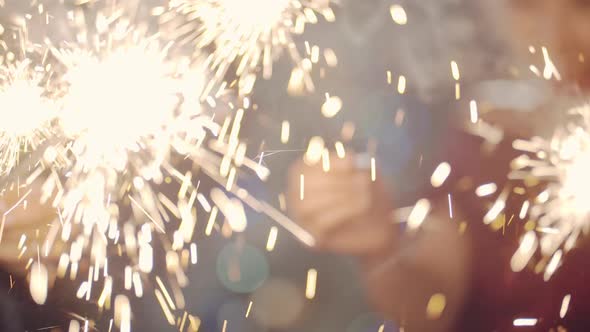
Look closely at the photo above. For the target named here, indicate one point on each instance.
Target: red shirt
(497, 295)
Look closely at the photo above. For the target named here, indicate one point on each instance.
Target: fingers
(343, 208)
(338, 214)
(323, 192)
(22, 210)
(362, 238)
(337, 166)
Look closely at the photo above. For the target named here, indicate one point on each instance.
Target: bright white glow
(112, 104)
(525, 322)
(26, 112)
(561, 209)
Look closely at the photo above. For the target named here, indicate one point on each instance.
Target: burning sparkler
(125, 109)
(561, 210)
(28, 111)
(248, 34)
(121, 110)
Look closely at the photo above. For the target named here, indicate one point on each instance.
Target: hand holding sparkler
(343, 208)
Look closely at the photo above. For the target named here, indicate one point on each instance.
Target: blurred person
(350, 214)
(367, 44)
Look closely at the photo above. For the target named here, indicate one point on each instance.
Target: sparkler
(249, 34)
(561, 209)
(125, 109)
(119, 110)
(28, 111)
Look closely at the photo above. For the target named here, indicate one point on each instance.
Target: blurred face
(563, 26)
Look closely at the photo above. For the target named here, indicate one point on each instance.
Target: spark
(250, 34)
(315, 149)
(272, 239)
(301, 187)
(39, 283)
(473, 113)
(565, 303)
(560, 165)
(486, 189)
(331, 58)
(166, 294)
(398, 14)
(331, 106)
(123, 313)
(18, 203)
(326, 160)
(436, 305)
(450, 201)
(440, 174)
(340, 151)
(524, 209)
(248, 310)
(194, 256)
(401, 85)
(532, 49)
(455, 71)
(525, 322)
(554, 263)
(285, 132)
(373, 170)
(155, 223)
(525, 251)
(418, 214)
(74, 326)
(310, 288)
(211, 222)
(549, 70)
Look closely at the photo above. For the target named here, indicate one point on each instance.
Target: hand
(24, 214)
(343, 209)
(23, 208)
